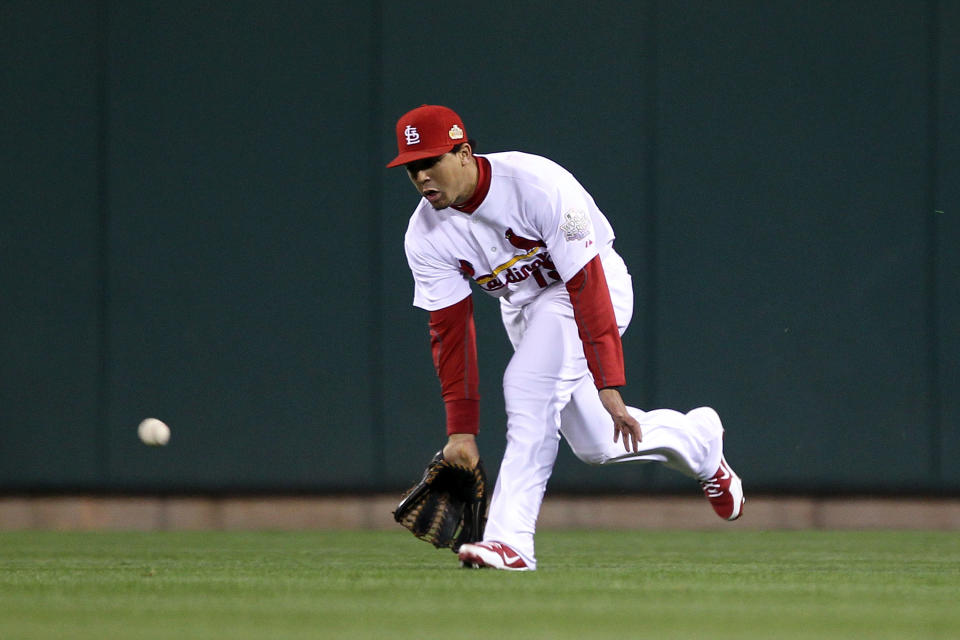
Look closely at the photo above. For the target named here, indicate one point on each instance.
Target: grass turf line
(591, 584)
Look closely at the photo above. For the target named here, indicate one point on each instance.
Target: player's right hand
(624, 424)
(461, 449)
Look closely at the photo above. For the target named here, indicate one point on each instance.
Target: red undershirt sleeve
(597, 325)
(453, 341)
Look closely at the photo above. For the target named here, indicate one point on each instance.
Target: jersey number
(541, 281)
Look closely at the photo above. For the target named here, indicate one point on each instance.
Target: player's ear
(464, 153)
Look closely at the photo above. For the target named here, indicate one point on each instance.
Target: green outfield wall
(196, 224)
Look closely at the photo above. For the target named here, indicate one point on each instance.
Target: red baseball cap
(426, 132)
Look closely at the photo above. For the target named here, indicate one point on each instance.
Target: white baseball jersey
(537, 226)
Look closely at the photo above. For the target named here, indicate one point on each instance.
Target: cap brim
(419, 154)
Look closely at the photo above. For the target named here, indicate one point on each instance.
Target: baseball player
(526, 232)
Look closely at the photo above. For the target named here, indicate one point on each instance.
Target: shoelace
(712, 488)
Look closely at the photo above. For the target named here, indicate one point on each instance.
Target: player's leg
(544, 371)
(536, 385)
(690, 443)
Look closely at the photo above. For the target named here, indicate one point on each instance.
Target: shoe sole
(470, 560)
(736, 488)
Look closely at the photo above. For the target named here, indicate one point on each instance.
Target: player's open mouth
(432, 195)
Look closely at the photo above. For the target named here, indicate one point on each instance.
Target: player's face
(442, 180)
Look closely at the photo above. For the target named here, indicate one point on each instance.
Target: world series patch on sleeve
(448, 507)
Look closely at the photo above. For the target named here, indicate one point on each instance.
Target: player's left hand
(624, 424)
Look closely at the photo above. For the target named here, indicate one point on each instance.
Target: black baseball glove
(448, 507)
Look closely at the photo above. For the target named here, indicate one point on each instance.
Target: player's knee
(595, 458)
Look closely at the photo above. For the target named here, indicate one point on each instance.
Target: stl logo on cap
(428, 131)
(413, 136)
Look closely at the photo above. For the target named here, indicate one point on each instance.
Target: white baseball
(154, 432)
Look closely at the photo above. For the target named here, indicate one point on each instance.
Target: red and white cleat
(725, 492)
(495, 555)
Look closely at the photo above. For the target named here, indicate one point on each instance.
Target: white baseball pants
(549, 392)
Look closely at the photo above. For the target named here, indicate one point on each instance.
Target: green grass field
(598, 584)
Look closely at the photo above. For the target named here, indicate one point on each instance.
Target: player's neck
(479, 183)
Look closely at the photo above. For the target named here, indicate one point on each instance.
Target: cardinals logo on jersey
(532, 263)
